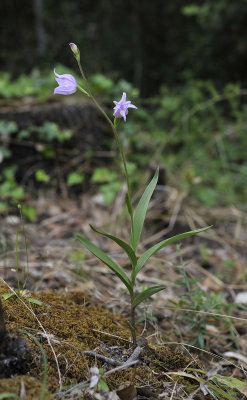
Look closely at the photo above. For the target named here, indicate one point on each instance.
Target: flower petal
(123, 99)
(121, 107)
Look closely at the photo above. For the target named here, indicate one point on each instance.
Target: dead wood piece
(102, 358)
(132, 359)
(65, 115)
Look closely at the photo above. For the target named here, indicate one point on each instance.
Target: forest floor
(188, 347)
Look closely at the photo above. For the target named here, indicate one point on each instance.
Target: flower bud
(75, 50)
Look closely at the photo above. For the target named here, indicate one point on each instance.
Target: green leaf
(219, 391)
(232, 383)
(16, 194)
(35, 301)
(7, 296)
(125, 246)
(3, 206)
(102, 385)
(8, 127)
(41, 176)
(145, 256)
(109, 191)
(141, 210)
(145, 294)
(29, 212)
(74, 178)
(191, 9)
(102, 174)
(7, 395)
(107, 261)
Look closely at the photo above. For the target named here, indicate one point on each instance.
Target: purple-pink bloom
(121, 107)
(67, 84)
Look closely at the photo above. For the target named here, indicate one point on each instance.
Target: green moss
(70, 321)
(31, 386)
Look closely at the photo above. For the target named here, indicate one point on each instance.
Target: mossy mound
(67, 325)
(23, 385)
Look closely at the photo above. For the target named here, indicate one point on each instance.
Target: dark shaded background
(146, 42)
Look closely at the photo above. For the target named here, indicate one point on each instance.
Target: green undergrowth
(197, 133)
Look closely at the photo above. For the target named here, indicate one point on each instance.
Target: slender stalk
(132, 311)
(113, 127)
(129, 203)
(17, 261)
(26, 268)
(133, 323)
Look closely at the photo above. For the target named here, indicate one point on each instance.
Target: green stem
(17, 261)
(26, 268)
(133, 322)
(113, 127)
(129, 203)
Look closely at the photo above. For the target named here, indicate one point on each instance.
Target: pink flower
(121, 107)
(67, 84)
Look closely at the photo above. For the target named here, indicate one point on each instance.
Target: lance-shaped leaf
(107, 261)
(141, 210)
(125, 246)
(145, 294)
(145, 256)
(205, 383)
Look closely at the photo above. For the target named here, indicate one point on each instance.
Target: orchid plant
(67, 85)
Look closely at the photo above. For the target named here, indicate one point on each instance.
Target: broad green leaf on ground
(35, 301)
(107, 261)
(145, 256)
(125, 246)
(6, 296)
(141, 210)
(145, 294)
(220, 392)
(232, 383)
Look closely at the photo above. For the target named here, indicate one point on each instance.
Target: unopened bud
(75, 50)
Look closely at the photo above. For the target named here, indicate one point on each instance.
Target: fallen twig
(134, 357)
(102, 358)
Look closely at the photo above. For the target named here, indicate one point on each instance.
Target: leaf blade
(145, 294)
(141, 210)
(152, 250)
(107, 261)
(125, 246)
(7, 296)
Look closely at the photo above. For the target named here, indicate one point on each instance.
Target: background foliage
(183, 63)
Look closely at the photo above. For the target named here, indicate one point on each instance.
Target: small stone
(241, 298)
